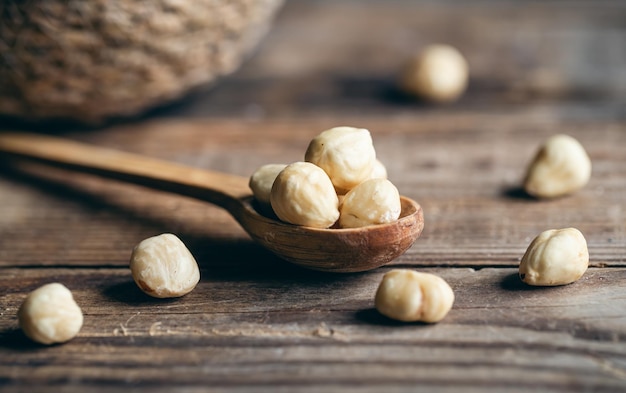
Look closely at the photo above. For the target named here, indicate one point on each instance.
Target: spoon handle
(218, 188)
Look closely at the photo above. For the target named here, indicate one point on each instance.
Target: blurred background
(319, 57)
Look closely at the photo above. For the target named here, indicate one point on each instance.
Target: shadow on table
(128, 292)
(371, 316)
(518, 193)
(512, 282)
(14, 338)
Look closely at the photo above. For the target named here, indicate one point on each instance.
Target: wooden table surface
(257, 324)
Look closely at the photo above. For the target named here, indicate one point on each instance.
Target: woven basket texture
(89, 60)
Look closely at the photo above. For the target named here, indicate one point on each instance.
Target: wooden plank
(288, 327)
(258, 324)
(464, 169)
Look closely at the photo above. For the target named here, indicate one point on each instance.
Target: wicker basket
(89, 60)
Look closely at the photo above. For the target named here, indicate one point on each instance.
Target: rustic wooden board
(258, 324)
(465, 170)
(270, 328)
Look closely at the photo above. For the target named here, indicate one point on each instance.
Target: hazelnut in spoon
(332, 250)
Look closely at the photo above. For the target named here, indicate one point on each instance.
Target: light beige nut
(379, 171)
(163, 267)
(347, 155)
(375, 201)
(262, 180)
(439, 73)
(555, 257)
(409, 296)
(303, 194)
(560, 167)
(49, 315)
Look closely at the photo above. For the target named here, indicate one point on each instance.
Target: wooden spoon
(333, 250)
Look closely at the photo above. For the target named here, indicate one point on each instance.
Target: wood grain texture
(465, 170)
(289, 328)
(341, 250)
(258, 324)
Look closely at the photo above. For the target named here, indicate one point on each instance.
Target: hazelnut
(560, 167)
(379, 171)
(555, 257)
(438, 74)
(50, 315)
(303, 194)
(375, 201)
(163, 267)
(262, 180)
(346, 154)
(409, 296)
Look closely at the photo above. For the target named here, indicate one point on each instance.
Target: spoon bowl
(330, 250)
(335, 250)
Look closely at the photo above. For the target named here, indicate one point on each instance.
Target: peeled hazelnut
(262, 179)
(346, 154)
(378, 171)
(555, 257)
(50, 315)
(560, 167)
(409, 296)
(163, 267)
(439, 74)
(375, 201)
(303, 194)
